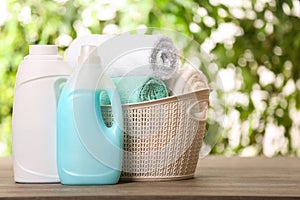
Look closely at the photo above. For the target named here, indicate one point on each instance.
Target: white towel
(188, 79)
(148, 55)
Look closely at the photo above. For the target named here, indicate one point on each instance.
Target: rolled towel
(139, 55)
(164, 59)
(187, 80)
(133, 89)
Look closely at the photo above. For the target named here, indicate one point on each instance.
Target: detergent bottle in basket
(88, 152)
(39, 79)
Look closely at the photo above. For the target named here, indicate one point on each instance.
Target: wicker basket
(162, 138)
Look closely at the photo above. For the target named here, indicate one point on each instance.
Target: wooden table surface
(215, 178)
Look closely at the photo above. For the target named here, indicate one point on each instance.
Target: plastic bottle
(39, 78)
(88, 152)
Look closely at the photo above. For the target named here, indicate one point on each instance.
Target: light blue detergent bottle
(88, 152)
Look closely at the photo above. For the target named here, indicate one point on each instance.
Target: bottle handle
(115, 131)
(198, 110)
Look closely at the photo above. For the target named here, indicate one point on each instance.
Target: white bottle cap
(88, 54)
(43, 50)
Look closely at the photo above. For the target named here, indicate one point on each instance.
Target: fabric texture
(134, 89)
(187, 80)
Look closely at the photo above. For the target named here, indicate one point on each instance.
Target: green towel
(133, 89)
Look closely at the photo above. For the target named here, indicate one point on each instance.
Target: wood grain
(216, 178)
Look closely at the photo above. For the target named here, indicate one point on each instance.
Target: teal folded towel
(133, 89)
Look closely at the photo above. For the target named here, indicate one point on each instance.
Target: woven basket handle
(198, 110)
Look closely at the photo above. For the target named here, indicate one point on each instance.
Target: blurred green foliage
(256, 46)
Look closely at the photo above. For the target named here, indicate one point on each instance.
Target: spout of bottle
(88, 55)
(90, 60)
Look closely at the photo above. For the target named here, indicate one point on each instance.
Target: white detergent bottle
(39, 79)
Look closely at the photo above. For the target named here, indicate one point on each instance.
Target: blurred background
(255, 45)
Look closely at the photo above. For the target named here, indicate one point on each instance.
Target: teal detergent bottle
(88, 152)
